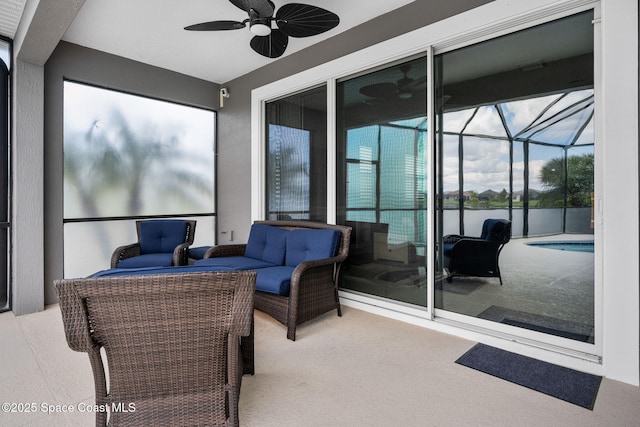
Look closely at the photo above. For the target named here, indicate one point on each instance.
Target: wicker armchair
(171, 343)
(161, 243)
(477, 256)
(314, 284)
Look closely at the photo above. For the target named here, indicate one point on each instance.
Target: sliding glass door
(381, 144)
(478, 213)
(515, 149)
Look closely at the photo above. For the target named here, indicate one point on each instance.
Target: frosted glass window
(127, 155)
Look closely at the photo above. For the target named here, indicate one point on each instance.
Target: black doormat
(536, 322)
(397, 275)
(563, 383)
(460, 285)
(546, 330)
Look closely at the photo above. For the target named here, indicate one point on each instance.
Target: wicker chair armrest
(225, 250)
(307, 265)
(243, 319)
(181, 254)
(454, 238)
(76, 327)
(123, 252)
(306, 269)
(475, 244)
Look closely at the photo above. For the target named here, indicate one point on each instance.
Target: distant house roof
(487, 194)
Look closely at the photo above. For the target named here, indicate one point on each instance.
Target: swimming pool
(573, 246)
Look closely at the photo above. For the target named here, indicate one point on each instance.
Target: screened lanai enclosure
(510, 139)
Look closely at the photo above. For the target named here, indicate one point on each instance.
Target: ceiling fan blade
(303, 20)
(417, 84)
(264, 8)
(380, 90)
(216, 26)
(271, 46)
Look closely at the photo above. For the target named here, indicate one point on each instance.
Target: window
(296, 156)
(128, 157)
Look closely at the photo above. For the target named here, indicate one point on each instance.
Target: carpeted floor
(366, 370)
(357, 370)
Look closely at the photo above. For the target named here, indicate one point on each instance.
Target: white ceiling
(151, 31)
(10, 13)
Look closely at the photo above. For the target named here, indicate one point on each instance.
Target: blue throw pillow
(309, 245)
(267, 243)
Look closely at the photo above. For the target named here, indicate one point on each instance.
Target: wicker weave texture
(171, 343)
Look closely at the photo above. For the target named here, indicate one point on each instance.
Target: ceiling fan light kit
(292, 20)
(402, 89)
(260, 29)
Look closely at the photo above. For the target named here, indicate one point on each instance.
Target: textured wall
(27, 202)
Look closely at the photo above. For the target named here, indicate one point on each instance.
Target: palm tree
(576, 184)
(105, 161)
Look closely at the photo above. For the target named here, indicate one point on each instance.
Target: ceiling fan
(292, 20)
(404, 88)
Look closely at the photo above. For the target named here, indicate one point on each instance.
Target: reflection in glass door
(515, 179)
(296, 156)
(381, 180)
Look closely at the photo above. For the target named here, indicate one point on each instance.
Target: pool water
(578, 246)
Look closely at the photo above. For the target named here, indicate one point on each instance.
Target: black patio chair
(477, 256)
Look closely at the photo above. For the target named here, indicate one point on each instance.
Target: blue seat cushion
(267, 243)
(157, 270)
(162, 236)
(147, 260)
(274, 280)
(309, 245)
(234, 263)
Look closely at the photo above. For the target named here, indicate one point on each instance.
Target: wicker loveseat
(298, 263)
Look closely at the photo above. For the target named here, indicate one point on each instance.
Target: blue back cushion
(267, 243)
(308, 245)
(496, 230)
(162, 236)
